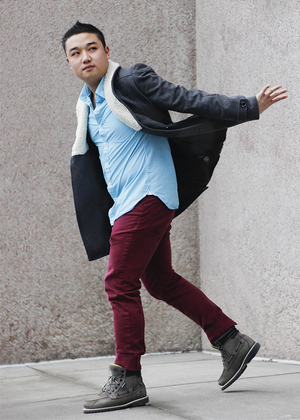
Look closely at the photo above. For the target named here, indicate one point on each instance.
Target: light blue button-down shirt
(134, 164)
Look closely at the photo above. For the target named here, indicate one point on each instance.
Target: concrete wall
(52, 300)
(249, 219)
(53, 303)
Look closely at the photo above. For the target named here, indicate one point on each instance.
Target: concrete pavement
(180, 386)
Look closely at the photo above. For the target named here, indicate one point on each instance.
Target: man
(133, 171)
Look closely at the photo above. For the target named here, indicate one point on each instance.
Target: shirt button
(243, 104)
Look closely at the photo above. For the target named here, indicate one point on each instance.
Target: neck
(93, 86)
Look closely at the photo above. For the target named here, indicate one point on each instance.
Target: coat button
(243, 104)
(206, 159)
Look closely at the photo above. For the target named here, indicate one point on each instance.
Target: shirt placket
(99, 112)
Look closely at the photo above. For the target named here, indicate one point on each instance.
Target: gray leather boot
(236, 353)
(120, 391)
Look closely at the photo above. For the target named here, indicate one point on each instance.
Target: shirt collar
(85, 94)
(100, 89)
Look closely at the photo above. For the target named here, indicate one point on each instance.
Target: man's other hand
(269, 96)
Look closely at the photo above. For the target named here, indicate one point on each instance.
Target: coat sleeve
(168, 96)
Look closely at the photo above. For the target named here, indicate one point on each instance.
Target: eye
(74, 53)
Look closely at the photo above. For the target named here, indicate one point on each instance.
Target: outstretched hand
(269, 96)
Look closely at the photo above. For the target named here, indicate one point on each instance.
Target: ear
(106, 49)
(68, 62)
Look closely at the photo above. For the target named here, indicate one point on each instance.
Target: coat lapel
(117, 108)
(80, 146)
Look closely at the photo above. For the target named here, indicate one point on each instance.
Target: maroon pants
(140, 250)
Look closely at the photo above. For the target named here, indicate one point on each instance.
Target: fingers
(265, 89)
(279, 98)
(274, 91)
(277, 95)
(270, 95)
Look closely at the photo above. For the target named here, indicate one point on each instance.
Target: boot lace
(113, 384)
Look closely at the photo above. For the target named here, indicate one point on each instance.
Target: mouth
(88, 67)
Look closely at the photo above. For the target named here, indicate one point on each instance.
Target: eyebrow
(88, 44)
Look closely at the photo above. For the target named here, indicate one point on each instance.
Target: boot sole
(135, 403)
(249, 356)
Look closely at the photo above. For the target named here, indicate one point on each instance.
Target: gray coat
(142, 100)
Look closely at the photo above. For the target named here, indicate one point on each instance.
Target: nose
(85, 56)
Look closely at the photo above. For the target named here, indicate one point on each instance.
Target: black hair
(79, 28)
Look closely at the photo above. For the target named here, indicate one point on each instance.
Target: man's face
(87, 58)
